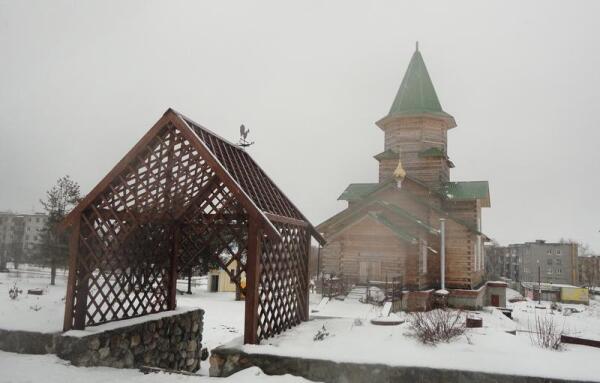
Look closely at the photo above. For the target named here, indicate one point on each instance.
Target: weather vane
(244, 143)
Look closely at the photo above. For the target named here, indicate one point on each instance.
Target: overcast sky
(82, 81)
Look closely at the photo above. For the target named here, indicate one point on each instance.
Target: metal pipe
(539, 283)
(443, 252)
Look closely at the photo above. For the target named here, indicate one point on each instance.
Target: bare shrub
(436, 326)
(14, 292)
(321, 334)
(545, 333)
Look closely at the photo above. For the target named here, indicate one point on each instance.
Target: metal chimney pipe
(443, 252)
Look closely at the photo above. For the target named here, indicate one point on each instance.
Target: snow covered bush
(545, 333)
(436, 326)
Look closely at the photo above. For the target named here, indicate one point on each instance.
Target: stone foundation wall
(416, 300)
(225, 362)
(496, 288)
(172, 342)
(27, 342)
(467, 299)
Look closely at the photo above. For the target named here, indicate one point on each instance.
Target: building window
(558, 271)
(558, 261)
(549, 261)
(557, 251)
(549, 270)
(549, 252)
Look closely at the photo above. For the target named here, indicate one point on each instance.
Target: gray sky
(81, 82)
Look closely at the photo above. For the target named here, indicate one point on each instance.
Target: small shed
(219, 280)
(556, 292)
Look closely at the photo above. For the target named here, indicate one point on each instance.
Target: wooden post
(82, 278)
(173, 267)
(255, 238)
(306, 292)
(73, 255)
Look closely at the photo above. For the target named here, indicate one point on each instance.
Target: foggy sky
(81, 82)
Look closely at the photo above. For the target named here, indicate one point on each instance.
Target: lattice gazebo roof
(180, 196)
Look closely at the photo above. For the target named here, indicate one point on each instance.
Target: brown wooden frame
(180, 196)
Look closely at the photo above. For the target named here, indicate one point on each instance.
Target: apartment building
(555, 263)
(20, 234)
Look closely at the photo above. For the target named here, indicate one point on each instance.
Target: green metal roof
(432, 152)
(464, 191)
(403, 213)
(387, 155)
(416, 94)
(401, 233)
(355, 192)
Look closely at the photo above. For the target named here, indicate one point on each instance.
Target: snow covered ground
(18, 368)
(352, 337)
(40, 313)
(490, 349)
(580, 320)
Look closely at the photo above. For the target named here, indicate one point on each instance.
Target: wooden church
(392, 228)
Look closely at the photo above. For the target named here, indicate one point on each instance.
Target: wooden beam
(306, 291)
(252, 281)
(282, 219)
(223, 174)
(73, 255)
(173, 267)
(119, 167)
(81, 296)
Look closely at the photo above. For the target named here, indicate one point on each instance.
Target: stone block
(135, 340)
(104, 352)
(94, 343)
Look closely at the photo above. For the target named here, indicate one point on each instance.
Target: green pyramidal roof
(416, 94)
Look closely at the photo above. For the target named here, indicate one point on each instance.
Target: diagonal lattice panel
(127, 232)
(283, 281)
(185, 199)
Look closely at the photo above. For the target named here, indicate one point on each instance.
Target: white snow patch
(23, 368)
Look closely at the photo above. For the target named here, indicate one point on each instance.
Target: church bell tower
(416, 129)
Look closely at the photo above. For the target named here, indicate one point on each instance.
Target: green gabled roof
(416, 94)
(465, 191)
(345, 214)
(387, 155)
(432, 152)
(355, 192)
(403, 213)
(401, 233)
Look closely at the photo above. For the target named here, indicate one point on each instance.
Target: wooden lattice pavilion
(182, 196)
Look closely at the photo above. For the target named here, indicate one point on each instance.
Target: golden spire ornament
(399, 174)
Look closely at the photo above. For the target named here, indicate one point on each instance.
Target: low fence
(581, 341)
(333, 287)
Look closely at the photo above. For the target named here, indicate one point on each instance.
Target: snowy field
(351, 337)
(40, 313)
